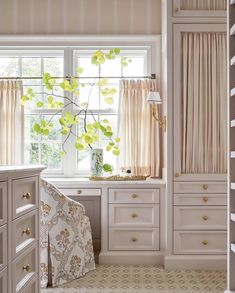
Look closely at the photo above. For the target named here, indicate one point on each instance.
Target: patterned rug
(145, 279)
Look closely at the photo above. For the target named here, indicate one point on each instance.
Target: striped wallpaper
(80, 16)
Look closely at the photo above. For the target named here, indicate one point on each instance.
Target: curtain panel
(141, 137)
(11, 122)
(204, 102)
(203, 4)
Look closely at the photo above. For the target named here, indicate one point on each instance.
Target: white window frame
(151, 43)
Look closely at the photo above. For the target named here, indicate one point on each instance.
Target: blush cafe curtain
(140, 134)
(204, 102)
(11, 122)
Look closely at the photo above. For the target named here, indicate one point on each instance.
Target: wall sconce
(154, 98)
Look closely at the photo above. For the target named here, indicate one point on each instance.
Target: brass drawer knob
(26, 231)
(205, 199)
(26, 268)
(134, 195)
(134, 215)
(27, 195)
(205, 218)
(133, 239)
(176, 10)
(79, 191)
(205, 186)
(204, 242)
(177, 174)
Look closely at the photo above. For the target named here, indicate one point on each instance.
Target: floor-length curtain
(140, 133)
(204, 102)
(203, 4)
(11, 122)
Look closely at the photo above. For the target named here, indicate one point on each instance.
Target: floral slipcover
(66, 250)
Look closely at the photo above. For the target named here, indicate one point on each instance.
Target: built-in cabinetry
(132, 218)
(19, 230)
(196, 188)
(231, 147)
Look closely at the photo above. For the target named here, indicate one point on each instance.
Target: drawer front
(200, 242)
(134, 195)
(32, 286)
(134, 215)
(3, 203)
(24, 232)
(81, 191)
(219, 199)
(200, 187)
(25, 195)
(134, 239)
(200, 218)
(3, 281)
(3, 247)
(24, 268)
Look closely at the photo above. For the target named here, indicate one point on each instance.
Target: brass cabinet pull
(205, 199)
(27, 195)
(79, 191)
(205, 218)
(176, 10)
(134, 215)
(134, 195)
(26, 268)
(205, 186)
(26, 231)
(177, 174)
(133, 239)
(204, 242)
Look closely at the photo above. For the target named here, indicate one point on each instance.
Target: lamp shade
(153, 97)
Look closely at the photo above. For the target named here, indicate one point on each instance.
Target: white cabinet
(19, 235)
(199, 8)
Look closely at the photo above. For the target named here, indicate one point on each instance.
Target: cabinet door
(179, 94)
(201, 8)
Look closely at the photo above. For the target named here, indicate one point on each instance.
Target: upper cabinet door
(199, 8)
(199, 98)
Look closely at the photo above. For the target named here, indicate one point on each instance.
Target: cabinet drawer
(134, 239)
(134, 195)
(25, 195)
(81, 191)
(24, 268)
(3, 203)
(200, 218)
(31, 287)
(134, 215)
(3, 281)
(24, 232)
(3, 247)
(200, 187)
(200, 242)
(219, 199)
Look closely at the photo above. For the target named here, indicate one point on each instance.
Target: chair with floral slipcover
(66, 249)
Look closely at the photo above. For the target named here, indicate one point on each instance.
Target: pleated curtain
(140, 133)
(204, 102)
(203, 4)
(11, 122)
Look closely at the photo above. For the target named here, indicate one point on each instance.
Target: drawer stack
(24, 245)
(3, 236)
(134, 219)
(200, 218)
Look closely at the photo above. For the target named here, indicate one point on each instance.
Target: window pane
(31, 66)
(50, 155)
(31, 153)
(112, 68)
(90, 70)
(54, 66)
(134, 68)
(89, 94)
(9, 66)
(104, 105)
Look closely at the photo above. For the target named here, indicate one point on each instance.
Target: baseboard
(131, 258)
(196, 262)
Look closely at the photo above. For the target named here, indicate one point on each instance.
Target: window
(32, 63)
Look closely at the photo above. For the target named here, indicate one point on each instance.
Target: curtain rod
(153, 76)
